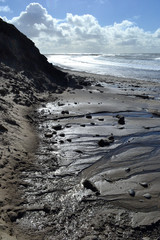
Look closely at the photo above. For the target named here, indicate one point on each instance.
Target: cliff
(20, 53)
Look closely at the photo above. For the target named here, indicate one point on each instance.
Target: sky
(87, 26)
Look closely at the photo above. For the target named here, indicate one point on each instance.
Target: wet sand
(95, 171)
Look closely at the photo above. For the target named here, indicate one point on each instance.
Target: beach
(82, 162)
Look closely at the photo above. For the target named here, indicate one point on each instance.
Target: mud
(79, 189)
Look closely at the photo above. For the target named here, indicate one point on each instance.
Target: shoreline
(110, 95)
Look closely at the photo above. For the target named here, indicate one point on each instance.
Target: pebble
(65, 112)
(62, 135)
(88, 116)
(101, 119)
(147, 195)
(127, 170)
(48, 135)
(111, 138)
(103, 143)
(57, 127)
(144, 184)
(121, 119)
(131, 192)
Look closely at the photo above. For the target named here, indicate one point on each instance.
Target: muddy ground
(82, 164)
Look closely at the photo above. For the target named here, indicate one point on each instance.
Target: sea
(137, 66)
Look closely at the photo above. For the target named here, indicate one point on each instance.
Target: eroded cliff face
(21, 54)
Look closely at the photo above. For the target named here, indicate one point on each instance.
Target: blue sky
(87, 25)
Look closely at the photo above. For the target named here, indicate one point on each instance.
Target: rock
(78, 151)
(12, 122)
(127, 170)
(57, 127)
(4, 92)
(144, 184)
(13, 216)
(88, 116)
(62, 135)
(82, 125)
(131, 192)
(147, 195)
(111, 138)
(65, 112)
(101, 119)
(103, 143)
(89, 185)
(98, 85)
(60, 104)
(146, 127)
(47, 208)
(121, 119)
(3, 129)
(48, 134)
(106, 142)
(68, 126)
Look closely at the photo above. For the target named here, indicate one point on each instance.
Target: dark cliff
(20, 53)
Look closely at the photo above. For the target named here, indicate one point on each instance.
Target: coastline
(108, 96)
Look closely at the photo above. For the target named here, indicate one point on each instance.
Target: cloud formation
(5, 8)
(83, 33)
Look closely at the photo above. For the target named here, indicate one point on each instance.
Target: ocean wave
(140, 66)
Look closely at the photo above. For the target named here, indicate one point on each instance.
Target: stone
(88, 116)
(131, 192)
(111, 138)
(106, 142)
(89, 185)
(121, 119)
(101, 119)
(48, 134)
(78, 151)
(3, 129)
(47, 208)
(144, 184)
(103, 142)
(13, 216)
(62, 135)
(57, 127)
(12, 122)
(147, 195)
(65, 112)
(127, 169)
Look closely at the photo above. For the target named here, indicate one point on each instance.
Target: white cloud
(5, 9)
(82, 33)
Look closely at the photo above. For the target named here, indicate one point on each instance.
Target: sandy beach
(82, 163)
